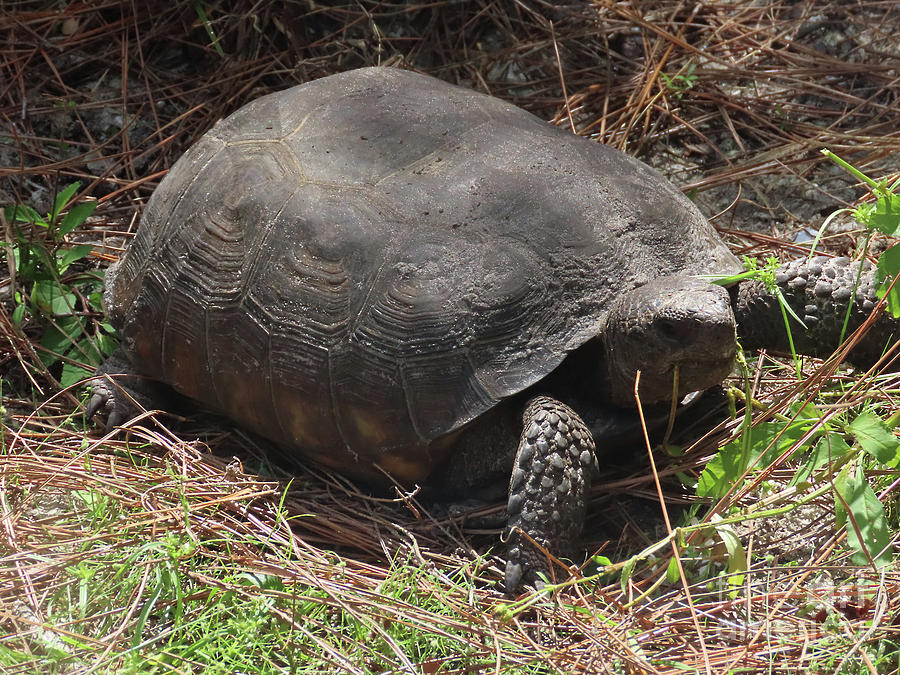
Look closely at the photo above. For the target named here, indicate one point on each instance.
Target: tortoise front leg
(115, 389)
(548, 489)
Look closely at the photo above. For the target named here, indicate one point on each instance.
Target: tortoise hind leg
(548, 489)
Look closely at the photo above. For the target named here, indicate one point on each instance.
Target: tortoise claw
(114, 400)
(109, 398)
(96, 402)
(513, 578)
(114, 419)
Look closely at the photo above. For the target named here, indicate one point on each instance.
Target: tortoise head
(671, 322)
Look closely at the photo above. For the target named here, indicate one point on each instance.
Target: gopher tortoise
(409, 281)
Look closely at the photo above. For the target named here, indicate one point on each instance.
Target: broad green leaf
(875, 438)
(22, 213)
(55, 341)
(25, 262)
(18, 314)
(721, 471)
(863, 213)
(829, 448)
(63, 198)
(33, 257)
(672, 572)
(841, 482)
(886, 218)
(51, 299)
(602, 561)
(888, 268)
(731, 462)
(737, 556)
(95, 300)
(805, 411)
(67, 256)
(874, 536)
(687, 480)
(76, 216)
(72, 374)
(86, 350)
(106, 344)
(60, 338)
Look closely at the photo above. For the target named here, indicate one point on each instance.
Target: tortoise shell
(359, 266)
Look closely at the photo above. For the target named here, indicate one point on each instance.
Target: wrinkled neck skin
(581, 382)
(622, 376)
(821, 291)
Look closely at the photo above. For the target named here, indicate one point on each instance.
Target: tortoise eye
(671, 330)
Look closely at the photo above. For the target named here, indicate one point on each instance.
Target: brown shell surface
(360, 265)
